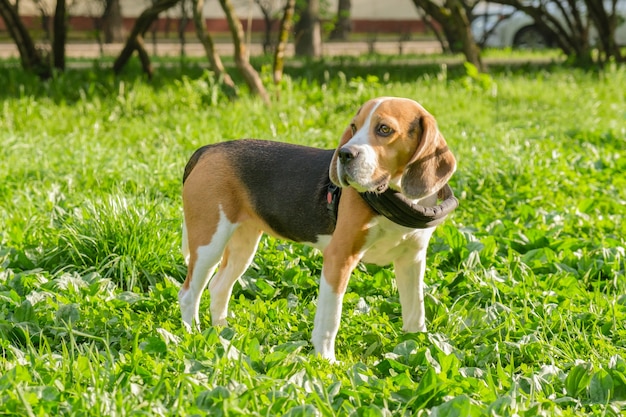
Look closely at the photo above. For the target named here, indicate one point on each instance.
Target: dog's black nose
(347, 154)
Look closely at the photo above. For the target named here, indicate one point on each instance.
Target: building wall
(389, 16)
(361, 9)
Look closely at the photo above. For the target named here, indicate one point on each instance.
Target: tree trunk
(135, 39)
(455, 24)
(343, 23)
(606, 24)
(445, 47)
(112, 23)
(268, 21)
(286, 24)
(60, 35)
(309, 32)
(461, 23)
(30, 58)
(182, 25)
(45, 20)
(569, 31)
(209, 48)
(443, 16)
(267, 37)
(241, 59)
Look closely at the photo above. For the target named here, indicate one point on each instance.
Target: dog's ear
(345, 137)
(432, 163)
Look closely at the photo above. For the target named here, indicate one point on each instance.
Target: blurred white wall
(361, 9)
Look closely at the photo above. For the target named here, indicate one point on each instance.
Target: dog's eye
(383, 130)
(353, 127)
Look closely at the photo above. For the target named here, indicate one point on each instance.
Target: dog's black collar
(399, 209)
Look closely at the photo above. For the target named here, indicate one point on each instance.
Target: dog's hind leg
(203, 260)
(185, 244)
(237, 257)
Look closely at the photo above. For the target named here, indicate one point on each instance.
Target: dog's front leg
(327, 318)
(341, 256)
(333, 283)
(409, 270)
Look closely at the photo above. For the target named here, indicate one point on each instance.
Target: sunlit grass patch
(525, 294)
(125, 239)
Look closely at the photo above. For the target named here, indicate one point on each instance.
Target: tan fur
(343, 252)
(432, 163)
(416, 151)
(202, 198)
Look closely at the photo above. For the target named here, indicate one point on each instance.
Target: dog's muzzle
(356, 167)
(347, 154)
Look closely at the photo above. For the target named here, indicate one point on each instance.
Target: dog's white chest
(388, 242)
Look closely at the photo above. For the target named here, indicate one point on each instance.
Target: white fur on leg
(189, 298)
(241, 249)
(208, 257)
(185, 244)
(410, 281)
(327, 319)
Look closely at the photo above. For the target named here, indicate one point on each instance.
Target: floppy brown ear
(431, 166)
(332, 172)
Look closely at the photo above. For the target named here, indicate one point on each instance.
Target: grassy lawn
(526, 293)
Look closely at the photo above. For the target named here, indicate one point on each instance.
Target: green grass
(526, 300)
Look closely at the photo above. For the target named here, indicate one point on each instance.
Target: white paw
(328, 356)
(414, 328)
(219, 322)
(187, 327)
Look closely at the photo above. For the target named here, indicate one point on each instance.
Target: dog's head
(393, 142)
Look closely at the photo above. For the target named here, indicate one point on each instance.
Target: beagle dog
(234, 191)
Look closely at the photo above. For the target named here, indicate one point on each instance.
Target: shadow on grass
(96, 78)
